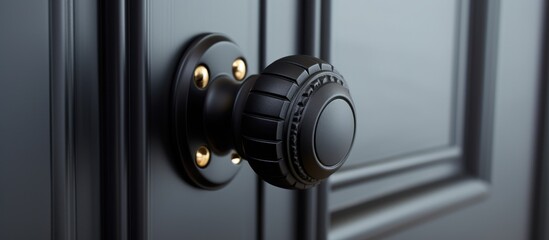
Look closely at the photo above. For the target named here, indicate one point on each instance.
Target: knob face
(334, 132)
(294, 123)
(298, 123)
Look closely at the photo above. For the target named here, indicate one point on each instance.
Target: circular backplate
(217, 53)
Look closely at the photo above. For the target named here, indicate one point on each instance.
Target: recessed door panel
(400, 57)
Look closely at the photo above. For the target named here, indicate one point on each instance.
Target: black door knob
(294, 123)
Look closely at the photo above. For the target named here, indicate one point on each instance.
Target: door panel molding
(114, 119)
(461, 171)
(540, 210)
(391, 184)
(74, 114)
(481, 75)
(62, 119)
(138, 164)
(381, 217)
(393, 166)
(63, 209)
(124, 129)
(123, 119)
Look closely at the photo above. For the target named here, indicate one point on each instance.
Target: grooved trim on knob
(297, 116)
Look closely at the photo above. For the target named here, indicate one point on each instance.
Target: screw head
(201, 76)
(239, 69)
(202, 156)
(236, 159)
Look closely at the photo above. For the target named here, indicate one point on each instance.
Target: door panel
(25, 143)
(436, 87)
(176, 208)
(402, 59)
(373, 199)
(360, 211)
(505, 213)
(446, 94)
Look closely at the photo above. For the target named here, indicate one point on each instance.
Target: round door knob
(294, 123)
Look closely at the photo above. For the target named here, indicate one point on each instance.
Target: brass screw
(239, 69)
(201, 76)
(202, 156)
(236, 159)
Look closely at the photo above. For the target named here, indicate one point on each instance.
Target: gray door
(446, 94)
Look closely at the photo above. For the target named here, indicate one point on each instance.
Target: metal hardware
(202, 156)
(204, 71)
(201, 76)
(294, 123)
(239, 69)
(236, 159)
